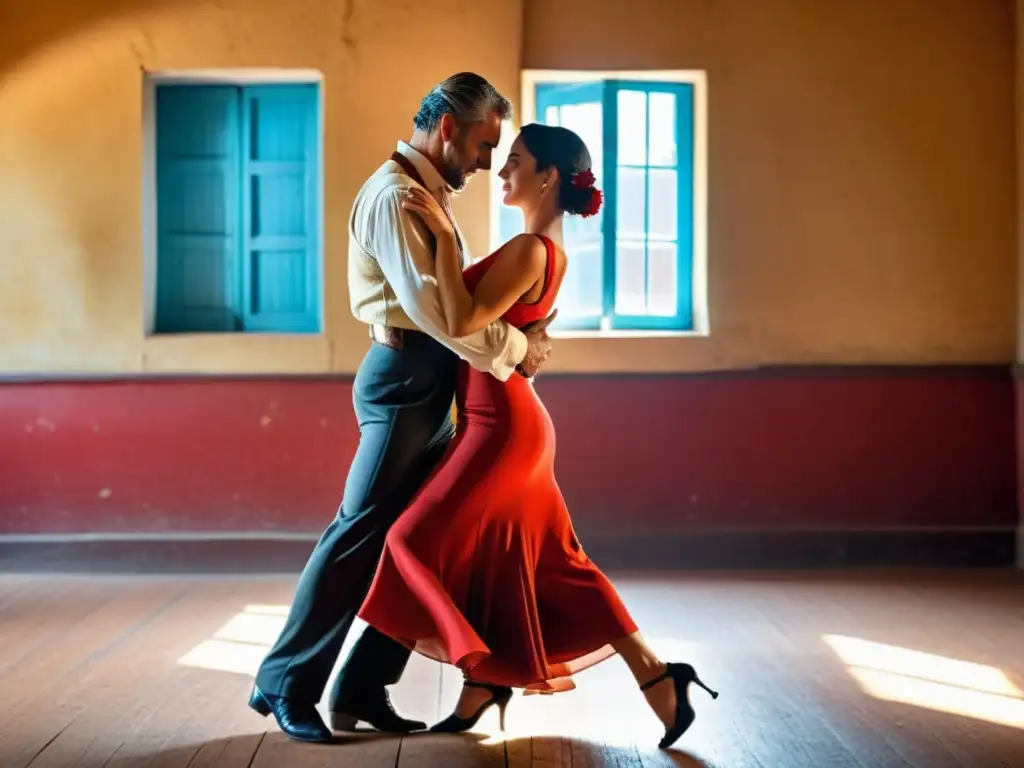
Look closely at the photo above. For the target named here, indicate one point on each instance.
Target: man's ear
(448, 127)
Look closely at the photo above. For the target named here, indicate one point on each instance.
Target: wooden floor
(866, 670)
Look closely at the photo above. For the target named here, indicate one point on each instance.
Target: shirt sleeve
(404, 250)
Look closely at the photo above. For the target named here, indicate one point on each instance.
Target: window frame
(249, 80)
(692, 319)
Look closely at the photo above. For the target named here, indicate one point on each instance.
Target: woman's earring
(544, 188)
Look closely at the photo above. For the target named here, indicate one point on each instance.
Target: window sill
(627, 334)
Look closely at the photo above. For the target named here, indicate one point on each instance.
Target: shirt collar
(433, 180)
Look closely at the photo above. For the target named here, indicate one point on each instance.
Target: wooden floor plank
(133, 698)
(130, 672)
(65, 694)
(597, 754)
(117, 709)
(116, 612)
(237, 752)
(461, 751)
(369, 751)
(43, 624)
(550, 752)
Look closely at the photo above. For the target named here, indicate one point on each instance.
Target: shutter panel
(281, 209)
(197, 208)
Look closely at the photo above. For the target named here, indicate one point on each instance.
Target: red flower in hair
(593, 204)
(583, 179)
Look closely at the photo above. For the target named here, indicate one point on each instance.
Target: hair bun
(585, 198)
(593, 204)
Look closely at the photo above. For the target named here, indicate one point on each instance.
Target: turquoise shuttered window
(238, 208)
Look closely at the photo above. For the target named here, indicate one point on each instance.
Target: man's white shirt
(392, 277)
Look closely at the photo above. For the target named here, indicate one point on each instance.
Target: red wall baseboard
(840, 448)
(1019, 420)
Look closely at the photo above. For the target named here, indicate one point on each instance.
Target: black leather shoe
(298, 721)
(376, 711)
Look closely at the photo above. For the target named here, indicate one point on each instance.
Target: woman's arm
(519, 264)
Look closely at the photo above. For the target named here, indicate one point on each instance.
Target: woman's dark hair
(554, 146)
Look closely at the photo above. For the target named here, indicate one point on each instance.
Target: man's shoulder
(386, 180)
(378, 203)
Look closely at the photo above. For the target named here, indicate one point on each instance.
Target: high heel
(682, 675)
(500, 695)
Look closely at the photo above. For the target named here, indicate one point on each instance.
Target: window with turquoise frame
(631, 266)
(238, 208)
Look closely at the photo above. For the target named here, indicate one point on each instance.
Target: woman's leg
(642, 661)
(645, 665)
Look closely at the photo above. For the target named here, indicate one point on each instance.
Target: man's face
(467, 149)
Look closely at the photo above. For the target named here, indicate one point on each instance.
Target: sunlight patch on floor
(926, 680)
(597, 716)
(607, 707)
(242, 643)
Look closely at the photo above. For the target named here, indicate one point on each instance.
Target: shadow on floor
(271, 750)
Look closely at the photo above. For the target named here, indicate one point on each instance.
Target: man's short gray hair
(466, 96)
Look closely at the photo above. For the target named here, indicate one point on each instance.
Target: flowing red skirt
(484, 570)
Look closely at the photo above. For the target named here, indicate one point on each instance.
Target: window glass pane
(585, 120)
(630, 278)
(580, 232)
(663, 212)
(631, 201)
(510, 221)
(632, 127)
(581, 292)
(581, 298)
(663, 281)
(663, 129)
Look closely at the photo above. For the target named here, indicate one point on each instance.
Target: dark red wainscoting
(841, 448)
(1019, 391)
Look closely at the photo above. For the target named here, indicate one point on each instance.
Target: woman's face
(524, 186)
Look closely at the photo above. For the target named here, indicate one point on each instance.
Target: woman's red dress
(484, 570)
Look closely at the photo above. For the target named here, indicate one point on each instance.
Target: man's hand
(538, 346)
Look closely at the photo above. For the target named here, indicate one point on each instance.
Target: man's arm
(403, 247)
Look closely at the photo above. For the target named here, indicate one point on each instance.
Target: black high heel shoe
(500, 695)
(682, 675)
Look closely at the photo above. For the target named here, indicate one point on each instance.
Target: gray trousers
(402, 401)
